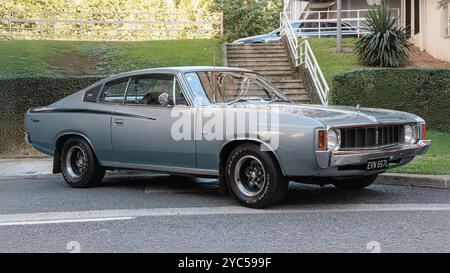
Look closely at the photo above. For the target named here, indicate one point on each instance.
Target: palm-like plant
(385, 44)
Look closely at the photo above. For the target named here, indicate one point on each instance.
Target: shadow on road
(208, 188)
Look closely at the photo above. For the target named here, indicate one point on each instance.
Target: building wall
(433, 37)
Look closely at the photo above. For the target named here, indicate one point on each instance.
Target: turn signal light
(424, 131)
(322, 140)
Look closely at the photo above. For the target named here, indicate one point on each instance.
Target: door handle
(118, 122)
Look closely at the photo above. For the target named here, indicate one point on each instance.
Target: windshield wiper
(245, 99)
(280, 100)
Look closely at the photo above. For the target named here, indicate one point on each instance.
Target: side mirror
(163, 99)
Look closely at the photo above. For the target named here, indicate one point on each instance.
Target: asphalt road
(138, 213)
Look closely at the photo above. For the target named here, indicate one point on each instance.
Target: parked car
(272, 36)
(304, 30)
(127, 121)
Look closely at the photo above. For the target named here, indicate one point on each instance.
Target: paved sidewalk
(25, 166)
(415, 180)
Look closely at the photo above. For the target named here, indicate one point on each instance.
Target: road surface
(134, 212)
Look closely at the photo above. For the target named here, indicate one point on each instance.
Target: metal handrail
(289, 33)
(308, 59)
(302, 54)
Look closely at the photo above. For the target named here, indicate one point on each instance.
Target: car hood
(338, 115)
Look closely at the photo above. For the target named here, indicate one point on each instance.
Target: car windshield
(231, 87)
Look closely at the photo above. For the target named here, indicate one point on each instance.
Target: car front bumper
(328, 159)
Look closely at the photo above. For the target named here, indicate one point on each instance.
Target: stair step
(277, 77)
(276, 73)
(256, 55)
(286, 68)
(257, 62)
(299, 97)
(297, 85)
(287, 82)
(259, 51)
(294, 92)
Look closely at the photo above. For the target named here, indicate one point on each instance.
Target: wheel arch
(226, 149)
(58, 144)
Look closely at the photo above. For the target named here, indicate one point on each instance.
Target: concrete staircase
(271, 61)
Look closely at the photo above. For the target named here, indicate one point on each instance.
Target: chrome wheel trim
(76, 162)
(250, 176)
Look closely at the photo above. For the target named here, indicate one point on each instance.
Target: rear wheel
(355, 183)
(254, 177)
(79, 165)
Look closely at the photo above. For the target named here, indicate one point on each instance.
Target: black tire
(356, 183)
(254, 177)
(79, 165)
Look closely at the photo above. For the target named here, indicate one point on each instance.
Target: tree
(244, 18)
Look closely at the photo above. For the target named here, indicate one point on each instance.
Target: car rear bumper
(327, 159)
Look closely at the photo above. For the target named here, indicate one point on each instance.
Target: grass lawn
(436, 161)
(33, 57)
(331, 62)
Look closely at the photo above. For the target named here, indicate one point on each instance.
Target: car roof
(176, 70)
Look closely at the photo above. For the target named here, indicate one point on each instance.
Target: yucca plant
(385, 44)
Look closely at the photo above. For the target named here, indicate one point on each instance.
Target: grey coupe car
(219, 122)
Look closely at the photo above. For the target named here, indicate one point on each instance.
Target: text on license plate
(377, 164)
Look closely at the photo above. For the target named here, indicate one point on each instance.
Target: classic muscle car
(219, 122)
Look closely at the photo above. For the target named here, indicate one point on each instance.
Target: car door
(145, 132)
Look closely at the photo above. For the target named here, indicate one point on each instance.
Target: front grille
(371, 137)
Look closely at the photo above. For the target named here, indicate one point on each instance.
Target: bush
(18, 94)
(385, 44)
(425, 92)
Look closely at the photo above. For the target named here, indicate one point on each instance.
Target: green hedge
(425, 92)
(21, 93)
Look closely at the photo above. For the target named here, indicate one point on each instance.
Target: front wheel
(254, 177)
(356, 183)
(79, 165)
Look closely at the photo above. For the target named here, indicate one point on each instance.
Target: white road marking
(127, 214)
(63, 221)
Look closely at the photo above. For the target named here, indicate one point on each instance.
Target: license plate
(377, 164)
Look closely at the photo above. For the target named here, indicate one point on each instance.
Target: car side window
(145, 90)
(114, 92)
(91, 95)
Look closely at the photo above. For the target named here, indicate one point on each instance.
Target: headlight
(410, 134)
(333, 139)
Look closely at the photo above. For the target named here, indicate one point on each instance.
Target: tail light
(322, 140)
